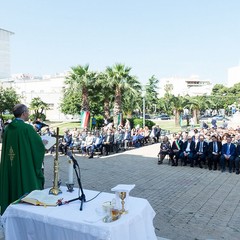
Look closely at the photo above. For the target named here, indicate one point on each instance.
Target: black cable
(93, 197)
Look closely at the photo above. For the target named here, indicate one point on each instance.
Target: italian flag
(85, 117)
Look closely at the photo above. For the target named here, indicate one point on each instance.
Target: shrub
(6, 117)
(33, 117)
(139, 121)
(99, 120)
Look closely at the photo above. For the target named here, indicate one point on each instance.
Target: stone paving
(190, 203)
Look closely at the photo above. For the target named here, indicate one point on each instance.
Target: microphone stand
(76, 167)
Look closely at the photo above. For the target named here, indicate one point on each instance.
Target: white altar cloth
(28, 222)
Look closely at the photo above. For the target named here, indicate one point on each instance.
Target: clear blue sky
(155, 37)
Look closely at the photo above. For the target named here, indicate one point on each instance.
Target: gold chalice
(122, 196)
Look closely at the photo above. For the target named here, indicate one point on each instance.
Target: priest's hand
(45, 142)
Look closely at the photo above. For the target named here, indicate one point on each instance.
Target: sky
(165, 38)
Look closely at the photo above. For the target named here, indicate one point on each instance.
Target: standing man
(94, 123)
(21, 159)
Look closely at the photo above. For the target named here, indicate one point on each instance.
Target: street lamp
(143, 111)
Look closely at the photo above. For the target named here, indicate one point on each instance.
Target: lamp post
(143, 111)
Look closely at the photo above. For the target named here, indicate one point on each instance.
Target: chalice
(122, 196)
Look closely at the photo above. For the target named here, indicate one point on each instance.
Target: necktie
(201, 148)
(228, 149)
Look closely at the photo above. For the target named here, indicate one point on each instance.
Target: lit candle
(70, 171)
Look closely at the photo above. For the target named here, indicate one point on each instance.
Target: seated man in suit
(237, 159)
(188, 151)
(201, 151)
(214, 153)
(165, 149)
(228, 154)
(87, 144)
(176, 150)
(118, 138)
(97, 144)
(108, 141)
(126, 138)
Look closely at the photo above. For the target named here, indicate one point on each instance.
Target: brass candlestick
(122, 196)
(55, 190)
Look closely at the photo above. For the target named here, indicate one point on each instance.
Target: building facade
(5, 66)
(192, 86)
(48, 88)
(233, 75)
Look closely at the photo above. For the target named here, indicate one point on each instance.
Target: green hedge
(6, 117)
(133, 122)
(139, 121)
(99, 120)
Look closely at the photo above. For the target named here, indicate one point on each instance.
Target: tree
(178, 104)
(168, 88)
(78, 85)
(106, 93)
(151, 94)
(219, 89)
(120, 80)
(131, 100)
(8, 99)
(38, 106)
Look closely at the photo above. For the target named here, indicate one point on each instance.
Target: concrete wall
(5, 67)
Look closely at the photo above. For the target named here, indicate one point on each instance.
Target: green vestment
(21, 162)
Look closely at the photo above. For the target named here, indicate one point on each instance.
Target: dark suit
(237, 159)
(190, 154)
(214, 154)
(232, 154)
(201, 153)
(175, 151)
(108, 142)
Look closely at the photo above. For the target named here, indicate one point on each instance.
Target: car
(202, 117)
(147, 116)
(219, 117)
(186, 116)
(163, 117)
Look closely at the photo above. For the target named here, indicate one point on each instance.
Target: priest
(21, 159)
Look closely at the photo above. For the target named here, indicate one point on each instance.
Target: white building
(192, 86)
(233, 75)
(5, 66)
(48, 88)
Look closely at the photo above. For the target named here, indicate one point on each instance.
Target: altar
(28, 222)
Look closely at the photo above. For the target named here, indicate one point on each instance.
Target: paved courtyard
(190, 203)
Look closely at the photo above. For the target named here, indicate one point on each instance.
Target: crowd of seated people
(215, 148)
(107, 139)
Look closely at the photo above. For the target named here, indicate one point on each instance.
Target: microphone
(69, 153)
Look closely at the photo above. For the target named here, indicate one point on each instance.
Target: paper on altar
(51, 141)
(123, 188)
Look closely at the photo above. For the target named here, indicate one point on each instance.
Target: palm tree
(178, 103)
(38, 106)
(205, 102)
(81, 78)
(132, 101)
(120, 80)
(106, 92)
(194, 105)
